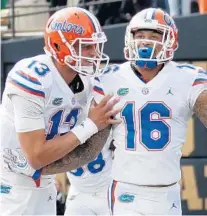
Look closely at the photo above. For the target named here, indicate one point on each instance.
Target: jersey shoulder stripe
(200, 75)
(186, 66)
(201, 78)
(28, 77)
(111, 68)
(25, 87)
(97, 88)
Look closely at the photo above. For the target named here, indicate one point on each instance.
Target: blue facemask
(145, 52)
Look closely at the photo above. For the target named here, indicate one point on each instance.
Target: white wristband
(85, 130)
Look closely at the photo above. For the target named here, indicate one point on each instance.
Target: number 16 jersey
(154, 120)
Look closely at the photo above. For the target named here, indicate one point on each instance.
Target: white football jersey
(154, 120)
(37, 79)
(94, 176)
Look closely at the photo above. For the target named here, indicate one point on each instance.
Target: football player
(158, 96)
(89, 185)
(43, 113)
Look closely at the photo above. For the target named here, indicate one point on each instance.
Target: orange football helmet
(152, 19)
(70, 26)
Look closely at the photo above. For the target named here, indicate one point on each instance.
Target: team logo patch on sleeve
(126, 198)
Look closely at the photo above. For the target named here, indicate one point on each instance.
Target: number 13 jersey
(46, 102)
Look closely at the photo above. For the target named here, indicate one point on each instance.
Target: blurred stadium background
(22, 25)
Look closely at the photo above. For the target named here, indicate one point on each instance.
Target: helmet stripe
(145, 16)
(149, 14)
(93, 20)
(97, 23)
(153, 14)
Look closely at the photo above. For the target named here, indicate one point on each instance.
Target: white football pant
(128, 199)
(87, 203)
(21, 201)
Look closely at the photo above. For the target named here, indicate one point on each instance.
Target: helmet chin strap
(145, 52)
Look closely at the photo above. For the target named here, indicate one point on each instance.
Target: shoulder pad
(201, 77)
(29, 75)
(38, 67)
(32, 66)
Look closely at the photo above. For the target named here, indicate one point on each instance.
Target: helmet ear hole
(126, 52)
(57, 46)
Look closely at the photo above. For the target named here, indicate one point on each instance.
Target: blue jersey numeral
(39, 68)
(154, 132)
(93, 167)
(56, 121)
(128, 115)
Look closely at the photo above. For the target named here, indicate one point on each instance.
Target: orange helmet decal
(69, 26)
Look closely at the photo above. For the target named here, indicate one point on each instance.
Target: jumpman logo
(49, 198)
(173, 206)
(170, 91)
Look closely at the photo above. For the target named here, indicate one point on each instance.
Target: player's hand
(15, 161)
(102, 114)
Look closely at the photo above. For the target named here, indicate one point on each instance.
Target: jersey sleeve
(28, 115)
(101, 85)
(23, 81)
(198, 86)
(25, 90)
